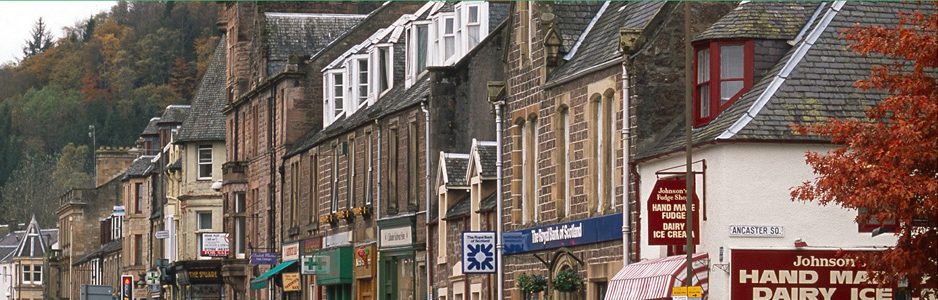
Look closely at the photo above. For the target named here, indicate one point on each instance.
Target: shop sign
(801, 274)
(203, 275)
(291, 251)
(118, 211)
(667, 213)
(770, 231)
(478, 252)
(338, 239)
(570, 234)
(214, 244)
(310, 246)
(291, 282)
(314, 264)
(364, 257)
(687, 292)
(263, 258)
(396, 237)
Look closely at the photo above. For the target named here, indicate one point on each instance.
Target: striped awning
(654, 278)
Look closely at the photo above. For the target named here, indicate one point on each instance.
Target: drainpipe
(426, 208)
(377, 212)
(498, 202)
(626, 143)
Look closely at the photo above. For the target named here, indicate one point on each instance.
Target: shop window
(723, 72)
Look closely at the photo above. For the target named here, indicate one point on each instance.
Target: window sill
(204, 179)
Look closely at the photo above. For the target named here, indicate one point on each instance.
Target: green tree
(40, 39)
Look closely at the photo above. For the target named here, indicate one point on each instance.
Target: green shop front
(334, 272)
(398, 261)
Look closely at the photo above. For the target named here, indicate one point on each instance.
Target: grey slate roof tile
(151, 128)
(487, 159)
(601, 42)
(762, 20)
(302, 34)
(803, 98)
(573, 18)
(174, 114)
(489, 202)
(105, 249)
(456, 169)
(206, 121)
(461, 208)
(140, 167)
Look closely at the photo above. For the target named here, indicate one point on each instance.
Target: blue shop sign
(570, 234)
(263, 258)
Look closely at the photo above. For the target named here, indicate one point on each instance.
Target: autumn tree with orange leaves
(887, 164)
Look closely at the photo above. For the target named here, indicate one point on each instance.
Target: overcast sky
(17, 19)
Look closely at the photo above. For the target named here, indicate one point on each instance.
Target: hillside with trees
(113, 70)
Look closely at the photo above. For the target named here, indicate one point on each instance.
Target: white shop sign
(396, 237)
(760, 231)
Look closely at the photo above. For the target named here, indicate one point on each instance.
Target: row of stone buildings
(340, 151)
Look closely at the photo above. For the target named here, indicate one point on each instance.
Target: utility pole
(688, 147)
(94, 165)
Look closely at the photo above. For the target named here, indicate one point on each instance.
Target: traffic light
(127, 287)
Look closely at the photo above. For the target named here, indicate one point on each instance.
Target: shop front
(198, 279)
(333, 268)
(308, 249)
(364, 272)
(397, 265)
(559, 249)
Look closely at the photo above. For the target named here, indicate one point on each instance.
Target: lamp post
(496, 93)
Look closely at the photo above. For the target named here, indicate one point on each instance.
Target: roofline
(583, 72)
(704, 144)
(783, 74)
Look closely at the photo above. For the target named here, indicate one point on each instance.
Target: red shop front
(802, 274)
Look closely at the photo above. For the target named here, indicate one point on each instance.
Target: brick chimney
(110, 162)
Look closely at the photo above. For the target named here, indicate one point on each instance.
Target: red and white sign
(667, 213)
(801, 274)
(214, 244)
(290, 251)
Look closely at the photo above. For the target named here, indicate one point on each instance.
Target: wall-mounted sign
(161, 235)
(203, 275)
(338, 239)
(119, 211)
(314, 264)
(667, 213)
(801, 274)
(290, 251)
(581, 232)
(364, 258)
(478, 252)
(310, 245)
(263, 258)
(291, 282)
(214, 244)
(772, 231)
(396, 237)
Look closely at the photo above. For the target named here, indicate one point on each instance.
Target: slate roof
(174, 114)
(206, 121)
(488, 204)
(397, 99)
(601, 42)
(488, 155)
(110, 247)
(456, 165)
(302, 34)
(460, 208)
(819, 86)
(572, 18)
(33, 243)
(141, 166)
(761, 20)
(151, 127)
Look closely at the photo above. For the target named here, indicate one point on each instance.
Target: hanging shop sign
(397, 237)
(290, 251)
(214, 244)
(291, 282)
(667, 213)
(478, 252)
(570, 234)
(801, 274)
(757, 231)
(263, 258)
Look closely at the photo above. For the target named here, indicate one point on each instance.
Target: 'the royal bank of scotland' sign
(569, 234)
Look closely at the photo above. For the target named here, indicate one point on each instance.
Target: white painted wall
(6, 280)
(749, 184)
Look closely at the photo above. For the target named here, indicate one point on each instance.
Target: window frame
(201, 164)
(357, 62)
(331, 110)
(714, 79)
(414, 69)
(198, 221)
(240, 224)
(443, 36)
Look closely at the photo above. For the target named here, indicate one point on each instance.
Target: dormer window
(723, 73)
(474, 23)
(417, 47)
(362, 81)
(381, 57)
(334, 89)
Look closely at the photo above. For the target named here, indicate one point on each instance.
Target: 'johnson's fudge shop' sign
(802, 274)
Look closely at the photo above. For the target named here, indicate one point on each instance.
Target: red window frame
(715, 80)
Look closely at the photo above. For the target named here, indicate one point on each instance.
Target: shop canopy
(261, 281)
(653, 279)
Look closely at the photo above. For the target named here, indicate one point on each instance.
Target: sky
(18, 17)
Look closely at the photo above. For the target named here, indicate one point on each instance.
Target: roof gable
(33, 243)
(206, 121)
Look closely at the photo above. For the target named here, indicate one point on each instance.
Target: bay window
(723, 72)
